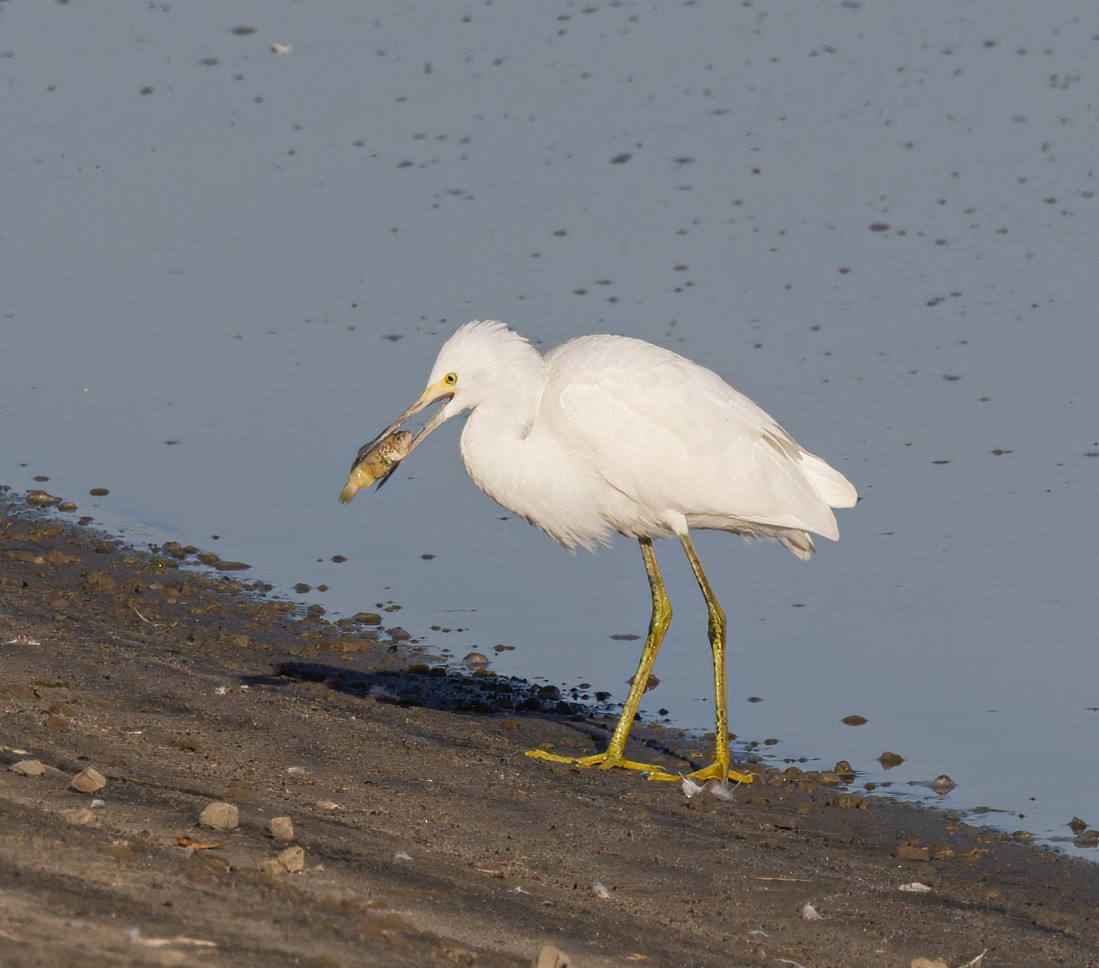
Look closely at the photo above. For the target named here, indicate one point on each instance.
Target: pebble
(221, 565)
(89, 780)
(942, 784)
(550, 956)
(220, 816)
(28, 768)
(809, 913)
(282, 829)
(1088, 838)
(293, 859)
(41, 499)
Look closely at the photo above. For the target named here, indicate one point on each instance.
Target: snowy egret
(609, 433)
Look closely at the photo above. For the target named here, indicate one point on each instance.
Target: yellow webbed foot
(611, 761)
(719, 772)
(604, 761)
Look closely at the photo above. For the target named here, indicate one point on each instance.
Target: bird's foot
(605, 761)
(715, 771)
(611, 761)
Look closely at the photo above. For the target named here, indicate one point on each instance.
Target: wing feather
(673, 436)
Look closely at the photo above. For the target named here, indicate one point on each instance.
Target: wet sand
(425, 836)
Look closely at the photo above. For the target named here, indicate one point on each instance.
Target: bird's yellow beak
(438, 392)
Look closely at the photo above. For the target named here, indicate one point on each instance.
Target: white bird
(609, 433)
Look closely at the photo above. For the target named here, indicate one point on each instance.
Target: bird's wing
(672, 435)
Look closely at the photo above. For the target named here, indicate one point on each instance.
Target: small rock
(1078, 826)
(809, 913)
(282, 829)
(367, 618)
(1088, 838)
(942, 784)
(42, 499)
(220, 816)
(293, 859)
(89, 780)
(550, 956)
(34, 768)
(222, 565)
(889, 760)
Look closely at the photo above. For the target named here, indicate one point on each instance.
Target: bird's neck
(499, 425)
(505, 460)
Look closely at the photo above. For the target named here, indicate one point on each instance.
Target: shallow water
(223, 269)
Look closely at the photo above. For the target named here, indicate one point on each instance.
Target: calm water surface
(222, 269)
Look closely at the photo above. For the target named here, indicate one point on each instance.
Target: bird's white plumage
(608, 433)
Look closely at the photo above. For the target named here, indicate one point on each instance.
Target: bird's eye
(450, 379)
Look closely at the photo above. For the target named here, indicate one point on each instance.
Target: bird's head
(469, 366)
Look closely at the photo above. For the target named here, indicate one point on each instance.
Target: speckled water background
(223, 268)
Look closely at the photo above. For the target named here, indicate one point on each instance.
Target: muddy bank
(425, 836)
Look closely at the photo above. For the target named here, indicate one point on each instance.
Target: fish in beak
(380, 457)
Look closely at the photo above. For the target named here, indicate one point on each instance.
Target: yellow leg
(719, 769)
(658, 625)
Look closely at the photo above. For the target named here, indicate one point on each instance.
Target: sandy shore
(420, 833)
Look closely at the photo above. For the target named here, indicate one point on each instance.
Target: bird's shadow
(457, 691)
(440, 688)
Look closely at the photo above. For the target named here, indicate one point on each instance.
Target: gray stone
(89, 780)
(293, 859)
(220, 816)
(551, 956)
(282, 829)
